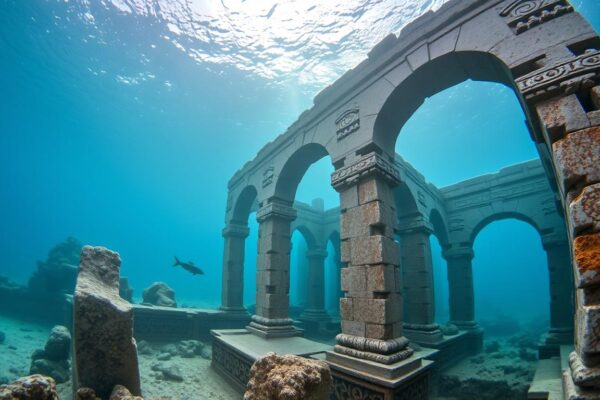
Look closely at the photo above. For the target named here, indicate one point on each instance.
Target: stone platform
(235, 350)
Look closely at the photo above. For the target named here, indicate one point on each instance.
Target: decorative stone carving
(276, 209)
(236, 366)
(525, 14)
(268, 176)
(347, 122)
(542, 83)
(371, 163)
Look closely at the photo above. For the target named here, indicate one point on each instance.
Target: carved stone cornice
(236, 230)
(276, 209)
(525, 14)
(560, 77)
(368, 165)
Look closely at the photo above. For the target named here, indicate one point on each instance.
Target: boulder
(288, 377)
(60, 371)
(190, 348)
(159, 294)
(33, 387)
(58, 344)
(104, 351)
(169, 372)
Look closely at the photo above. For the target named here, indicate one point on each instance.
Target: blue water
(122, 121)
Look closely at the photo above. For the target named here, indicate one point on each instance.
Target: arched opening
(301, 242)
(250, 247)
(516, 321)
(333, 290)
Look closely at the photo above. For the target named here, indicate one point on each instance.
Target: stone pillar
(460, 286)
(417, 273)
(561, 289)
(273, 271)
(315, 304)
(371, 311)
(232, 293)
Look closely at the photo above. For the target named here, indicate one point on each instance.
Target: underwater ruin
(84, 327)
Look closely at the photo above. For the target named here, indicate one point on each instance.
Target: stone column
(315, 304)
(273, 271)
(232, 293)
(371, 311)
(561, 289)
(460, 286)
(417, 273)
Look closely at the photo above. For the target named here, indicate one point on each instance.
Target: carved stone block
(577, 158)
(586, 259)
(561, 116)
(354, 278)
(373, 189)
(588, 327)
(346, 310)
(381, 278)
(585, 210)
(374, 250)
(354, 328)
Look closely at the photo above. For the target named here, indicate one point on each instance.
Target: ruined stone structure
(543, 50)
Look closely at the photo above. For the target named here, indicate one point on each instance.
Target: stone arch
(439, 227)
(294, 169)
(426, 81)
(243, 205)
(501, 216)
(406, 204)
(309, 237)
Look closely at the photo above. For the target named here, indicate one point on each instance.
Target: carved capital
(560, 78)
(236, 230)
(368, 165)
(276, 209)
(412, 224)
(458, 252)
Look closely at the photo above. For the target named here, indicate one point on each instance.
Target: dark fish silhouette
(188, 266)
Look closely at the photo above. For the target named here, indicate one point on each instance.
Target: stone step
(547, 381)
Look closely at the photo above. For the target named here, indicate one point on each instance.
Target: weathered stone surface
(159, 294)
(288, 377)
(169, 372)
(577, 158)
(58, 345)
(33, 387)
(59, 271)
(562, 115)
(586, 255)
(582, 375)
(373, 250)
(53, 361)
(57, 370)
(104, 349)
(122, 393)
(86, 394)
(588, 322)
(585, 210)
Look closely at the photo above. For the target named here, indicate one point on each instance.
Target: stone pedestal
(460, 287)
(273, 271)
(417, 274)
(233, 268)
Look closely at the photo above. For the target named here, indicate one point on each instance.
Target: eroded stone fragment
(104, 349)
(577, 158)
(159, 294)
(288, 377)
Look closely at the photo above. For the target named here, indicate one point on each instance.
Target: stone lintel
(368, 165)
(276, 208)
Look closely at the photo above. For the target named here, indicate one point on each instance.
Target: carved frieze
(347, 122)
(525, 14)
(371, 163)
(268, 176)
(551, 79)
(235, 366)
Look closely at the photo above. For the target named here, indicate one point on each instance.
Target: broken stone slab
(104, 351)
(288, 377)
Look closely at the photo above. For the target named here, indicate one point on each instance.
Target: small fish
(188, 266)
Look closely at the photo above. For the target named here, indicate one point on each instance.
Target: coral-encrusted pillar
(566, 97)
(232, 293)
(460, 286)
(371, 311)
(315, 304)
(417, 274)
(561, 289)
(273, 271)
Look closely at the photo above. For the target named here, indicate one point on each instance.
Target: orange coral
(587, 252)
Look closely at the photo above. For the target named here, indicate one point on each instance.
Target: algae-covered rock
(104, 351)
(159, 294)
(53, 360)
(58, 344)
(288, 377)
(33, 387)
(60, 371)
(169, 372)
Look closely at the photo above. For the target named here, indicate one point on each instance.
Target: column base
(273, 328)
(574, 392)
(423, 334)
(362, 379)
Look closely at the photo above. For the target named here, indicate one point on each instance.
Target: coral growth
(288, 377)
(33, 387)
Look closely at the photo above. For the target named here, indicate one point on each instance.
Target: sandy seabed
(199, 380)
